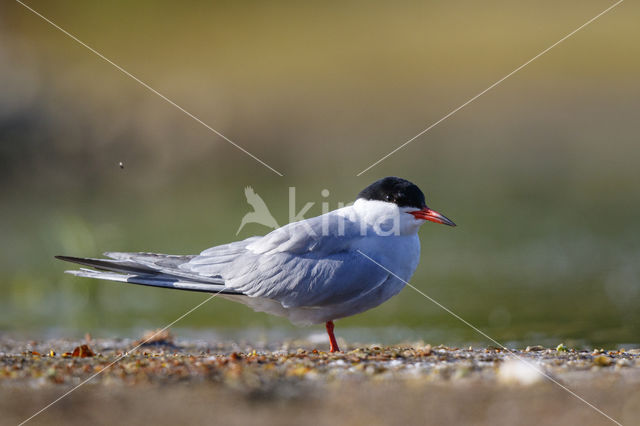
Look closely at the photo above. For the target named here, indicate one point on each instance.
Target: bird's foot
(332, 338)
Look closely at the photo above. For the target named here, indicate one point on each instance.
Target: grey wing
(182, 266)
(215, 260)
(161, 270)
(306, 263)
(305, 280)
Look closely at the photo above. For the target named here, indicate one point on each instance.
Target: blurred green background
(541, 174)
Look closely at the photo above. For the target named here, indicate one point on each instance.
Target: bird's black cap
(395, 190)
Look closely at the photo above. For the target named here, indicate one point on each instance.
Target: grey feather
(161, 266)
(150, 280)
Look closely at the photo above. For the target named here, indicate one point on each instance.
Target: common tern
(312, 271)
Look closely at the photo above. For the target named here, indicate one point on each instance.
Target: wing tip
(67, 258)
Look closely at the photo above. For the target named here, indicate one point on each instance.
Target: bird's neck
(385, 219)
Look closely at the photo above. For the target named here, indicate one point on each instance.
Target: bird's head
(392, 195)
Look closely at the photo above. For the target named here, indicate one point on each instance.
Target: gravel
(129, 381)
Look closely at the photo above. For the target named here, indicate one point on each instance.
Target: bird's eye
(387, 197)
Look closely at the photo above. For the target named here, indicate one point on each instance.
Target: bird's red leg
(332, 338)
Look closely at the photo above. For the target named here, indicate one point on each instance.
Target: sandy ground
(195, 382)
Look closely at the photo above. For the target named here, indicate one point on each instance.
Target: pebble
(238, 365)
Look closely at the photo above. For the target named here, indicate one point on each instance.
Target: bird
(260, 213)
(312, 271)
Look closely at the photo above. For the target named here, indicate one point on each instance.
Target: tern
(313, 271)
